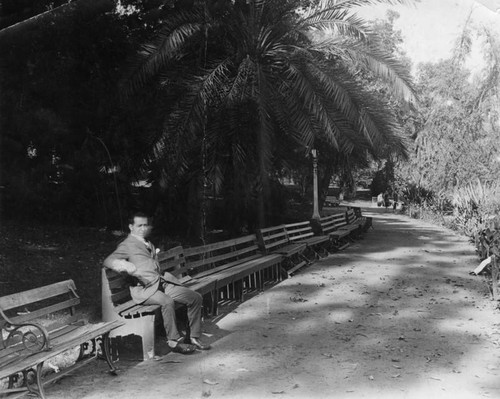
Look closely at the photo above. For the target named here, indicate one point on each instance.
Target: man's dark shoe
(200, 345)
(184, 349)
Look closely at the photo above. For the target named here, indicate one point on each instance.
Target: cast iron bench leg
(35, 388)
(107, 353)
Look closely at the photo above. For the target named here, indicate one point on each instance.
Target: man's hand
(121, 265)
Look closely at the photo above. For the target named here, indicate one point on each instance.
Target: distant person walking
(386, 200)
(395, 201)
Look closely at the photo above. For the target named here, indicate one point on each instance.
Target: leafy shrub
(473, 210)
(488, 239)
(475, 206)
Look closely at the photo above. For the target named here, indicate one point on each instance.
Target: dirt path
(395, 315)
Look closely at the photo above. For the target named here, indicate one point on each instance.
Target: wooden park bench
(357, 223)
(350, 224)
(39, 324)
(275, 240)
(174, 261)
(302, 232)
(237, 265)
(331, 226)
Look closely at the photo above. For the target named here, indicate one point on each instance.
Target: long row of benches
(226, 270)
(223, 270)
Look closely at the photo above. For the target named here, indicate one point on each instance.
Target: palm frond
(361, 3)
(167, 46)
(250, 84)
(236, 91)
(374, 60)
(336, 21)
(306, 94)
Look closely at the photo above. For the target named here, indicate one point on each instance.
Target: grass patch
(32, 256)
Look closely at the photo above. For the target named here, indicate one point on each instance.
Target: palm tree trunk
(324, 183)
(262, 186)
(193, 210)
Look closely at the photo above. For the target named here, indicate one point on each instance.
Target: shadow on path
(396, 315)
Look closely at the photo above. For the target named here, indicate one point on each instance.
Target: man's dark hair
(137, 214)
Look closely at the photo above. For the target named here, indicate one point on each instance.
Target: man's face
(140, 227)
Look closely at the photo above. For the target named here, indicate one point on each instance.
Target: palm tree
(246, 80)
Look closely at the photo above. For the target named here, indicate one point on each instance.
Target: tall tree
(244, 80)
(59, 94)
(456, 142)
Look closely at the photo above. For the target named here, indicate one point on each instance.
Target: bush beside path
(395, 315)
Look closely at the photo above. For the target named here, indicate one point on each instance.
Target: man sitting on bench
(137, 257)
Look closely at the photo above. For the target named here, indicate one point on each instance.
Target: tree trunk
(194, 214)
(80, 9)
(324, 184)
(494, 277)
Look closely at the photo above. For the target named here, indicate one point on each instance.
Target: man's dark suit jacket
(148, 269)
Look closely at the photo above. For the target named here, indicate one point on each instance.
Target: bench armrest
(33, 336)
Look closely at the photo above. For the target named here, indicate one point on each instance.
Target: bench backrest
(273, 238)
(299, 231)
(38, 303)
(118, 284)
(331, 223)
(228, 252)
(174, 262)
(350, 216)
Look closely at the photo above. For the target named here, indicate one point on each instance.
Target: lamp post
(315, 214)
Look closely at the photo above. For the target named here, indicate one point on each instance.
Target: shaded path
(395, 315)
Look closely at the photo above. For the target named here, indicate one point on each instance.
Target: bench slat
(316, 240)
(301, 236)
(203, 286)
(36, 314)
(37, 294)
(332, 222)
(117, 282)
(298, 235)
(276, 244)
(272, 237)
(225, 266)
(297, 225)
(232, 254)
(120, 296)
(278, 232)
(339, 234)
(240, 271)
(173, 264)
(218, 245)
(171, 253)
(132, 308)
(172, 260)
(291, 249)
